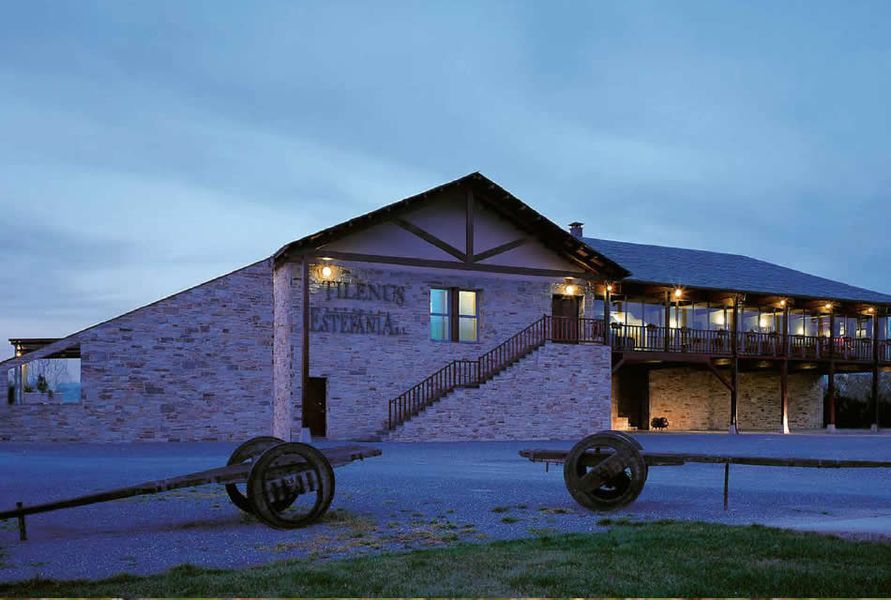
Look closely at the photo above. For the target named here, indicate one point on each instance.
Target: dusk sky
(149, 146)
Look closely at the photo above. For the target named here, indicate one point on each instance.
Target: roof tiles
(718, 270)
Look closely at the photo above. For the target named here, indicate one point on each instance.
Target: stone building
(461, 313)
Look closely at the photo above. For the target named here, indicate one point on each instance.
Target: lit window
(467, 316)
(439, 315)
(454, 315)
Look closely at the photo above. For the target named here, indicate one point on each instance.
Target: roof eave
(788, 294)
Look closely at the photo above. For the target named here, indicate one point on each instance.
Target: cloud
(160, 144)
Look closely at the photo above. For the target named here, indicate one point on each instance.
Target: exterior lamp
(871, 309)
(678, 293)
(829, 306)
(783, 303)
(570, 287)
(609, 287)
(326, 272)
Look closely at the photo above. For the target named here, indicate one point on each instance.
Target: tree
(46, 374)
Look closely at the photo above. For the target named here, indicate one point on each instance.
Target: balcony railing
(652, 338)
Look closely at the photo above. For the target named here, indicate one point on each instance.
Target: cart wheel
(291, 485)
(248, 452)
(605, 471)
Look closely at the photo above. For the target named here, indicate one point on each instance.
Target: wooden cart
(608, 470)
(285, 485)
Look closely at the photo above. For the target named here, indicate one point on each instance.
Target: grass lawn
(659, 559)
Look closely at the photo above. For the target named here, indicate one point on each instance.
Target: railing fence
(468, 373)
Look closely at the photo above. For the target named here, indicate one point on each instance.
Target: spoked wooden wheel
(248, 452)
(605, 471)
(291, 485)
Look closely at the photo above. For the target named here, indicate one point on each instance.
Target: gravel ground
(414, 496)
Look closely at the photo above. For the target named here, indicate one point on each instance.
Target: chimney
(575, 229)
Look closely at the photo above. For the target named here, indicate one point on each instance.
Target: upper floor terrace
(692, 302)
(678, 320)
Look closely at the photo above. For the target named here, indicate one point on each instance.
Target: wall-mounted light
(326, 272)
(569, 287)
(678, 292)
(783, 303)
(871, 310)
(609, 288)
(828, 306)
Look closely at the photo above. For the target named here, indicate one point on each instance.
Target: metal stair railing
(472, 373)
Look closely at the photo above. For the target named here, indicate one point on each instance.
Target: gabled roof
(721, 271)
(492, 196)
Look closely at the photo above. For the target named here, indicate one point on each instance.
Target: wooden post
(830, 397)
(787, 331)
(304, 379)
(726, 484)
(875, 396)
(734, 368)
(667, 328)
(831, 334)
(784, 396)
(18, 381)
(21, 377)
(875, 369)
(23, 532)
(470, 217)
(607, 298)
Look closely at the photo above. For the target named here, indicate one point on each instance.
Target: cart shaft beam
(670, 459)
(337, 456)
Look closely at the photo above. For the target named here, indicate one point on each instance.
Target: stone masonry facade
(365, 370)
(559, 391)
(695, 400)
(194, 366)
(222, 361)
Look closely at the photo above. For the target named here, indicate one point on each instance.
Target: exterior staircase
(460, 374)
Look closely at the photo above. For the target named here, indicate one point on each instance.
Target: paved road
(415, 495)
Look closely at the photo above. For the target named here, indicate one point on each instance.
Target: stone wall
(805, 401)
(365, 370)
(194, 366)
(561, 391)
(690, 398)
(695, 400)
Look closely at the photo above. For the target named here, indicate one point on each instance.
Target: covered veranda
(653, 326)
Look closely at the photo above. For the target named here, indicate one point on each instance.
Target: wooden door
(315, 406)
(565, 322)
(632, 392)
